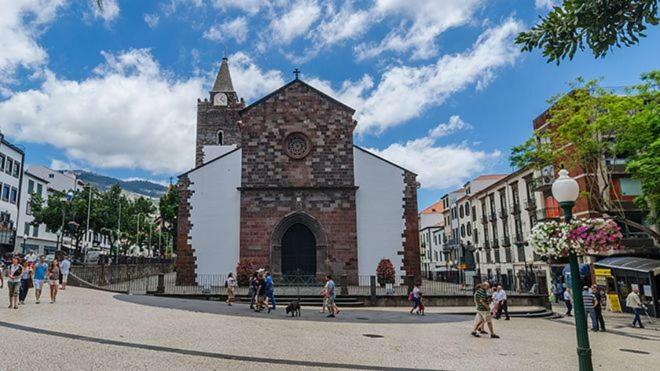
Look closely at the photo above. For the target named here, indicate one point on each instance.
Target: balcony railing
(503, 213)
(506, 241)
(530, 204)
(547, 214)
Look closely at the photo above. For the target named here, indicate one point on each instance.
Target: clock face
(220, 99)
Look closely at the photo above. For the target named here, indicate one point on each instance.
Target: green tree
(590, 125)
(595, 24)
(168, 207)
(113, 208)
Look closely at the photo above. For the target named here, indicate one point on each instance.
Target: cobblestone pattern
(185, 261)
(211, 119)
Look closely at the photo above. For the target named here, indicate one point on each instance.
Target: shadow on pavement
(351, 315)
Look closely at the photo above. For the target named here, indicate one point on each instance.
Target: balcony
(519, 238)
(503, 213)
(506, 241)
(548, 214)
(515, 209)
(530, 204)
(492, 217)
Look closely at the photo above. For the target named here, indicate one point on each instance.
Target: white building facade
(11, 173)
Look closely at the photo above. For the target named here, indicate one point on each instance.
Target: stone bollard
(343, 283)
(372, 289)
(161, 284)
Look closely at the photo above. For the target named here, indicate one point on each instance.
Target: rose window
(297, 145)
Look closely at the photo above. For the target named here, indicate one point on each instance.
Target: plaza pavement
(89, 329)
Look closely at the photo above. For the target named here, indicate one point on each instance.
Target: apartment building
(11, 165)
(431, 244)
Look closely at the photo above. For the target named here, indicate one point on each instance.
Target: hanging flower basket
(581, 236)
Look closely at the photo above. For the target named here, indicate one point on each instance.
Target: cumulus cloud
(131, 113)
(420, 27)
(109, 12)
(405, 92)
(439, 166)
(236, 28)
(295, 21)
(545, 4)
(251, 7)
(21, 22)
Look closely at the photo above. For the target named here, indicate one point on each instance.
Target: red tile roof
(434, 208)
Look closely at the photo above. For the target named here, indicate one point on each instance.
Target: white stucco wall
(212, 152)
(215, 214)
(379, 207)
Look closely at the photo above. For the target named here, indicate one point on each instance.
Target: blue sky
(439, 88)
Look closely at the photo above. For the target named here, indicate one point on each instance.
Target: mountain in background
(137, 187)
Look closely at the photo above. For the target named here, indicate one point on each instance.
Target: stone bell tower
(217, 117)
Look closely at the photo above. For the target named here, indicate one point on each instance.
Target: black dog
(293, 308)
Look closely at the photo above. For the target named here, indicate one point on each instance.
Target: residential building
(11, 165)
(431, 221)
(44, 181)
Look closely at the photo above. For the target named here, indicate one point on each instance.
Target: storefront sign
(603, 272)
(615, 304)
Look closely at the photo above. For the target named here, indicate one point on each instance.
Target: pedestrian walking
(557, 291)
(14, 273)
(599, 306)
(330, 289)
(270, 292)
(414, 296)
(26, 282)
(324, 295)
(421, 308)
(481, 299)
(231, 285)
(260, 296)
(500, 296)
(31, 258)
(253, 289)
(568, 301)
(635, 303)
(589, 301)
(39, 277)
(53, 275)
(65, 267)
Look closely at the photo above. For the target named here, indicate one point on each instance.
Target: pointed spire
(223, 80)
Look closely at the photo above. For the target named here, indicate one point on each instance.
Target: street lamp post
(566, 190)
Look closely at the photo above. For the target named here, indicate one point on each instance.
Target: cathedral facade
(280, 183)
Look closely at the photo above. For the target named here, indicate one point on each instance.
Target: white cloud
(405, 92)
(250, 81)
(422, 23)
(251, 7)
(439, 166)
(152, 20)
(21, 22)
(345, 24)
(109, 12)
(295, 21)
(545, 4)
(130, 113)
(236, 28)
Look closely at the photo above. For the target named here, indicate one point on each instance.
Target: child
(324, 294)
(420, 309)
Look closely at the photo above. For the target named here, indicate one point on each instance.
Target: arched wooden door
(298, 251)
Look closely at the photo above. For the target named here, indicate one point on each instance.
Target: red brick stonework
(185, 261)
(411, 262)
(319, 186)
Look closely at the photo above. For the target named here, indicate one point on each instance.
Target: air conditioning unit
(548, 171)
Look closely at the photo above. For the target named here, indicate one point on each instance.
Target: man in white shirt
(568, 301)
(65, 267)
(635, 303)
(31, 258)
(500, 297)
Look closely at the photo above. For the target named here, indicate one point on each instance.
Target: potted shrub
(244, 271)
(385, 272)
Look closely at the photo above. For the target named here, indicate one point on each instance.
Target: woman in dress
(53, 276)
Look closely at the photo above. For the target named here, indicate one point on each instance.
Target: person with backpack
(230, 285)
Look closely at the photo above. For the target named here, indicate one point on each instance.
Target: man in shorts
(65, 267)
(481, 298)
(39, 277)
(330, 290)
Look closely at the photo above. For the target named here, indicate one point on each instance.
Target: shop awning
(631, 263)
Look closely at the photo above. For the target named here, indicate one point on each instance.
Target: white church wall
(212, 152)
(215, 215)
(379, 208)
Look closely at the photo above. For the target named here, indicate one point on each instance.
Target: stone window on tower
(297, 146)
(221, 138)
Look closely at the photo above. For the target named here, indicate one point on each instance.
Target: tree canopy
(604, 129)
(595, 24)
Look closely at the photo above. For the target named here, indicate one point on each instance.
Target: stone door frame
(298, 217)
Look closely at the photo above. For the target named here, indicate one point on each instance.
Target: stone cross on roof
(296, 72)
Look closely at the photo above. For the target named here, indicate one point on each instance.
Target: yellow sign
(613, 301)
(603, 272)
